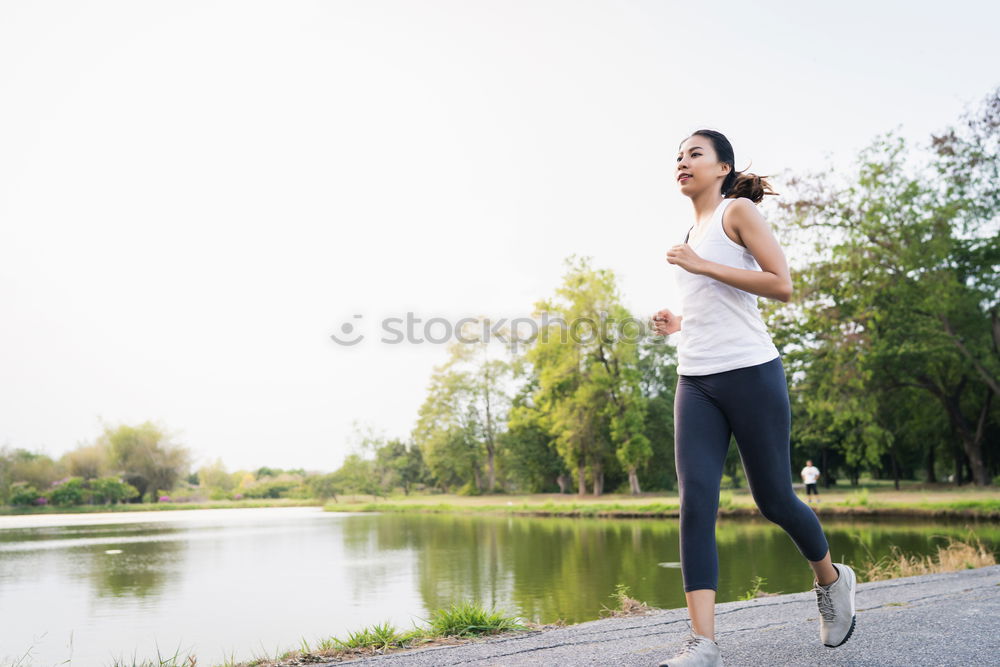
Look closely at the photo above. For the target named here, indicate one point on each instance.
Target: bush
(70, 492)
(22, 493)
(858, 499)
(111, 490)
(324, 486)
(270, 490)
(469, 489)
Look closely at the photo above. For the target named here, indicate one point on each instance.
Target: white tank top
(722, 327)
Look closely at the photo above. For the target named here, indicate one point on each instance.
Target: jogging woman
(731, 381)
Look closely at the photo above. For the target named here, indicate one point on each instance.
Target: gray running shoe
(698, 651)
(836, 607)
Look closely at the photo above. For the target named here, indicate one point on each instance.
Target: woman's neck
(704, 206)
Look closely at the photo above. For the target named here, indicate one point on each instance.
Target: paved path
(938, 619)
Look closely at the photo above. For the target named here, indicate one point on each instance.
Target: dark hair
(736, 183)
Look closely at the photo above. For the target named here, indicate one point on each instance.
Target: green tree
(325, 486)
(589, 382)
(447, 425)
(35, 468)
(530, 457)
(400, 465)
(86, 461)
(901, 275)
(214, 477)
(144, 456)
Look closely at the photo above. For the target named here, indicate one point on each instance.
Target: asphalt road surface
(937, 619)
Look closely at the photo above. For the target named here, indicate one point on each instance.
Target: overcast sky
(195, 195)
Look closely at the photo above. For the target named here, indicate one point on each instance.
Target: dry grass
(956, 555)
(627, 605)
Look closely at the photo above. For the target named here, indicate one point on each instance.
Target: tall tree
(877, 303)
(589, 381)
(145, 457)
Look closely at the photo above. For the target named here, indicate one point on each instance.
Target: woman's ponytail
(749, 185)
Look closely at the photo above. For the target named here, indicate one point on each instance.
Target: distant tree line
(891, 345)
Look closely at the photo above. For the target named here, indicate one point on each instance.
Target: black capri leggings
(751, 403)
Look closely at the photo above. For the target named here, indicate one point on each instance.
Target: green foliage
(325, 486)
(23, 493)
(725, 500)
(270, 489)
(459, 424)
(895, 331)
(589, 389)
(755, 589)
(111, 490)
(377, 636)
(469, 489)
(468, 618)
(70, 492)
(530, 459)
(146, 457)
(858, 499)
(214, 478)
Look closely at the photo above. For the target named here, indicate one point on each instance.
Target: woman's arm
(774, 280)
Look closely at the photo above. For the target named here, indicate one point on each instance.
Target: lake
(84, 589)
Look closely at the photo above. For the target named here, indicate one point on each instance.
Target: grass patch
(757, 590)
(955, 556)
(546, 509)
(375, 637)
(467, 619)
(981, 505)
(916, 500)
(726, 500)
(459, 622)
(858, 499)
(160, 661)
(627, 605)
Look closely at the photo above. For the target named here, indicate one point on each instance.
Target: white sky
(195, 195)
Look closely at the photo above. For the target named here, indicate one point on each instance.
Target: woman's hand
(665, 322)
(685, 257)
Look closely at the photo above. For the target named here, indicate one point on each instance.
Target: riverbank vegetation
(874, 498)
(954, 556)
(461, 622)
(161, 506)
(468, 620)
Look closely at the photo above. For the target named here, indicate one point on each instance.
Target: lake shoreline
(832, 511)
(545, 506)
(8, 510)
(186, 550)
(746, 628)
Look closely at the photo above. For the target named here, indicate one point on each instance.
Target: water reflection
(551, 568)
(271, 577)
(146, 560)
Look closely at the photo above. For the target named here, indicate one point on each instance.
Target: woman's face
(698, 167)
